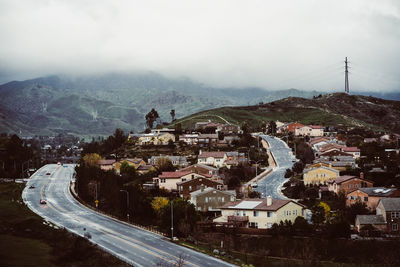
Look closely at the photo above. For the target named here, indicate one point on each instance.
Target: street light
(257, 166)
(127, 203)
(172, 220)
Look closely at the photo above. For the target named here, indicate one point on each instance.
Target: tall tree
(151, 117)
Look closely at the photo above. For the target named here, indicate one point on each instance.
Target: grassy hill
(336, 109)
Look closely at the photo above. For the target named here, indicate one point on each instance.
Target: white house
(310, 130)
(216, 159)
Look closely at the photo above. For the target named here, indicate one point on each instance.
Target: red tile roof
(351, 149)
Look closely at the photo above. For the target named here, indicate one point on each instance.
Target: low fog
(268, 44)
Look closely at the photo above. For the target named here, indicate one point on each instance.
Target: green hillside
(329, 110)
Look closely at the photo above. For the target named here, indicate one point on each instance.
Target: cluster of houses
(332, 157)
(299, 129)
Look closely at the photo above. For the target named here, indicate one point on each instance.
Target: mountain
(96, 105)
(338, 109)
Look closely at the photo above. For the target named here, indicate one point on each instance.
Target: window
(395, 227)
(206, 199)
(244, 213)
(395, 214)
(223, 199)
(237, 213)
(365, 199)
(253, 225)
(269, 225)
(190, 188)
(269, 214)
(162, 180)
(255, 213)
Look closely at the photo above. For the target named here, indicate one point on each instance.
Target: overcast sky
(270, 44)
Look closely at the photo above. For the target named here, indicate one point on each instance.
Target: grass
(25, 240)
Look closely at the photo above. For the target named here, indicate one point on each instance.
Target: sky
(269, 44)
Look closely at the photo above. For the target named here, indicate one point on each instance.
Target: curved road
(269, 186)
(131, 244)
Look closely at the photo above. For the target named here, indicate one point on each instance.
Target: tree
(164, 164)
(159, 203)
(151, 117)
(318, 215)
(127, 170)
(272, 128)
(254, 194)
(172, 113)
(358, 208)
(91, 159)
(288, 173)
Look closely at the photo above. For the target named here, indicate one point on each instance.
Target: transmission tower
(346, 77)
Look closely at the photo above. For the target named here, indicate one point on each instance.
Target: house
(190, 139)
(228, 129)
(235, 158)
(180, 161)
(163, 130)
(216, 159)
(106, 164)
(310, 130)
(319, 175)
(207, 140)
(387, 218)
(211, 199)
(259, 213)
(348, 183)
(356, 152)
(156, 139)
(168, 180)
(186, 187)
(370, 195)
(202, 169)
(135, 162)
(293, 126)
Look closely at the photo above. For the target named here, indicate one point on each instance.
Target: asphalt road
(284, 158)
(131, 244)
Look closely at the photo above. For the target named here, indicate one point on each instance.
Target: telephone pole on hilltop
(346, 77)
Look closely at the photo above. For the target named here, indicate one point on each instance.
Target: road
(284, 158)
(131, 244)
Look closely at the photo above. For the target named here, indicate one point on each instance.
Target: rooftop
(370, 219)
(257, 204)
(391, 204)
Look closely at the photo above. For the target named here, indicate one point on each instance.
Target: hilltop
(338, 109)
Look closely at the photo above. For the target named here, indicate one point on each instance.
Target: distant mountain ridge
(96, 105)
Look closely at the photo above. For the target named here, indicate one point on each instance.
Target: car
(254, 185)
(43, 202)
(48, 173)
(32, 187)
(59, 163)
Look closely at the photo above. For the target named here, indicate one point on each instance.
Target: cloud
(270, 44)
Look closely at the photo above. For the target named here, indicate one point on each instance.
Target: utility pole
(172, 220)
(127, 203)
(346, 77)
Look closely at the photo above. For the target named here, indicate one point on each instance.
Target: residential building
(319, 175)
(356, 152)
(211, 199)
(260, 213)
(371, 195)
(190, 139)
(163, 130)
(145, 168)
(387, 218)
(348, 183)
(177, 161)
(310, 130)
(207, 140)
(235, 158)
(186, 187)
(106, 164)
(135, 162)
(168, 180)
(202, 169)
(216, 159)
(156, 139)
(293, 126)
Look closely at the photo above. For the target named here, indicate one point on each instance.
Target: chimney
(361, 175)
(200, 152)
(202, 188)
(269, 200)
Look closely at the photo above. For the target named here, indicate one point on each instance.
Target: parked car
(48, 173)
(32, 187)
(43, 202)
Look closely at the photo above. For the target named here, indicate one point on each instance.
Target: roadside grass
(27, 240)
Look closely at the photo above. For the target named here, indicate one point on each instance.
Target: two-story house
(207, 140)
(260, 213)
(387, 218)
(319, 175)
(211, 199)
(309, 130)
(371, 195)
(135, 162)
(202, 169)
(216, 159)
(106, 164)
(191, 185)
(168, 180)
(348, 183)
